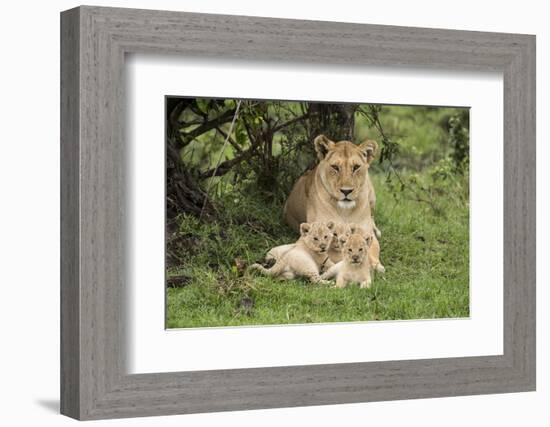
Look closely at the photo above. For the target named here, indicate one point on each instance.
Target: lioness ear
(369, 147)
(330, 225)
(322, 146)
(304, 228)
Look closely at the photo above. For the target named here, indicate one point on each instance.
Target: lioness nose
(346, 191)
(355, 257)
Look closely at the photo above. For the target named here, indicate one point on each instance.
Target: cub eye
(360, 249)
(355, 167)
(335, 167)
(349, 250)
(326, 237)
(315, 238)
(335, 235)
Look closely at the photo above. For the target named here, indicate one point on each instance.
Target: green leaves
(230, 104)
(203, 105)
(459, 140)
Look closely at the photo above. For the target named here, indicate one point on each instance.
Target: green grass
(425, 255)
(420, 132)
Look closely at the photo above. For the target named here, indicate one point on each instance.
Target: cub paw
(365, 285)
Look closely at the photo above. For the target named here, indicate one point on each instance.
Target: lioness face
(341, 232)
(355, 249)
(343, 167)
(317, 235)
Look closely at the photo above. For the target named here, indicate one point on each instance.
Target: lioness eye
(355, 167)
(335, 167)
(349, 250)
(360, 249)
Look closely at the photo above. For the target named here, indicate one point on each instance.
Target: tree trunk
(183, 192)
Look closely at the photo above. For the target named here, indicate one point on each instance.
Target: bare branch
(226, 117)
(233, 120)
(290, 122)
(230, 138)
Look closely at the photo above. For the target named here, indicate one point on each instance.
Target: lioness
(338, 189)
(308, 255)
(355, 267)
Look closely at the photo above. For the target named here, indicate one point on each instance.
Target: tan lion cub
(374, 245)
(307, 256)
(340, 233)
(278, 251)
(355, 267)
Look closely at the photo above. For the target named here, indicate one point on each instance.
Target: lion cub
(374, 245)
(307, 255)
(278, 251)
(340, 233)
(355, 267)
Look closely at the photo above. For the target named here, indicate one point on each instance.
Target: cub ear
(322, 146)
(304, 228)
(330, 225)
(369, 148)
(369, 240)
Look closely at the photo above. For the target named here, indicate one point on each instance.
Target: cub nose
(355, 257)
(322, 246)
(345, 191)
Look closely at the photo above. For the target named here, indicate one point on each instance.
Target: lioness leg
(374, 256)
(372, 205)
(376, 229)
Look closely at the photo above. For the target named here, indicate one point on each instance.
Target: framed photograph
(262, 213)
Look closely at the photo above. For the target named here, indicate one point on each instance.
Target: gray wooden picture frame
(94, 381)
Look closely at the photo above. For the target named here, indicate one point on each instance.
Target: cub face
(340, 234)
(317, 236)
(355, 249)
